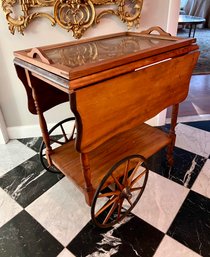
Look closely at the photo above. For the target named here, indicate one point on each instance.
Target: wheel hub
(126, 193)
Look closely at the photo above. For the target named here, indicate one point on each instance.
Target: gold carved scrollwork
(73, 15)
(19, 23)
(128, 11)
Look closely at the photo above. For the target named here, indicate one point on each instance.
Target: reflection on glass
(101, 50)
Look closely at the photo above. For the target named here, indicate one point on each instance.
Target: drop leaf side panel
(48, 96)
(116, 105)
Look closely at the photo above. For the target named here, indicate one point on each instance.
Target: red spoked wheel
(67, 130)
(119, 191)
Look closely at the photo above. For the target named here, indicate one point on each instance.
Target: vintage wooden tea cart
(114, 84)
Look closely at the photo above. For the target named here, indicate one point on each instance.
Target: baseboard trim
(25, 131)
(35, 131)
(202, 117)
(201, 73)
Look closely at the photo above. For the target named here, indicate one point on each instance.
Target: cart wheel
(66, 136)
(119, 191)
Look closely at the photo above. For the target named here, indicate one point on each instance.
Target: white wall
(3, 130)
(173, 16)
(13, 100)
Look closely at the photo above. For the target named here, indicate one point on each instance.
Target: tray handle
(157, 29)
(36, 51)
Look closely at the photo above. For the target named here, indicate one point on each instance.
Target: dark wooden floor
(198, 100)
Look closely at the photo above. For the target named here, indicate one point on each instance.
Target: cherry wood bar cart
(114, 84)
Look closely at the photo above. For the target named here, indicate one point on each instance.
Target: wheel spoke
(129, 201)
(64, 133)
(72, 134)
(126, 173)
(117, 182)
(135, 189)
(119, 208)
(59, 128)
(106, 205)
(111, 211)
(110, 193)
(133, 173)
(138, 177)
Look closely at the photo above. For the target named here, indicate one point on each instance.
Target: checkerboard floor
(44, 214)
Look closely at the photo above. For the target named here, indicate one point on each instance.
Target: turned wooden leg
(89, 191)
(172, 135)
(42, 121)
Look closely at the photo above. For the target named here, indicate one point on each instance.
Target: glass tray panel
(101, 50)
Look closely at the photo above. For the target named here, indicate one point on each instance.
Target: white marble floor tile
(66, 253)
(62, 210)
(160, 201)
(192, 139)
(171, 248)
(8, 207)
(12, 154)
(202, 183)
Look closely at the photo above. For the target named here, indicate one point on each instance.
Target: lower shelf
(144, 140)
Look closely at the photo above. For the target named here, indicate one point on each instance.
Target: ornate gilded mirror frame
(73, 15)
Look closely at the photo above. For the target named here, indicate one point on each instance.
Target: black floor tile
(33, 142)
(131, 239)
(191, 226)
(204, 125)
(28, 181)
(23, 236)
(185, 170)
